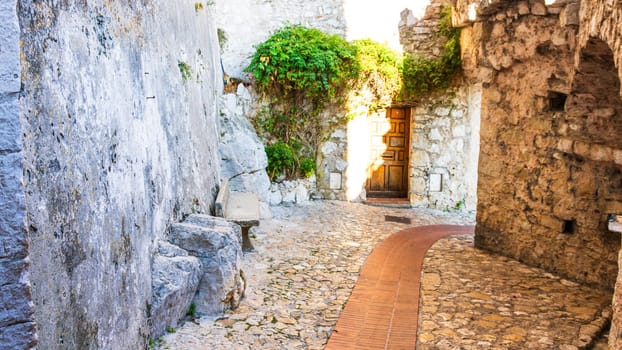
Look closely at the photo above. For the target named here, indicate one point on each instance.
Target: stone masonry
(549, 176)
(17, 328)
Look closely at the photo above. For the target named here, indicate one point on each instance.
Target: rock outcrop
(218, 245)
(243, 158)
(174, 279)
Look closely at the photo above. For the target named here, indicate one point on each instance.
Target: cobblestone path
(307, 261)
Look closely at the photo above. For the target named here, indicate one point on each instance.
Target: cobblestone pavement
(307, 261)
(474, 300)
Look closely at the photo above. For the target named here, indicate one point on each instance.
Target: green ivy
(185, 70)
(296, 59)
(302, 71)
(379, 68)
(422, 75)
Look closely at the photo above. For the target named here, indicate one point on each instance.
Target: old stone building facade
(550, 168)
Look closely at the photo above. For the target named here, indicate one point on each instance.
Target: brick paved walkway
(383, 309)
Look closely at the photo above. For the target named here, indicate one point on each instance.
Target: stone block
(523, 7)
(436, 182)
(218, 245)
(10, 80)
(569, 16)
(10, 129)
(302, 195)
(15, 305)
(420, 158)
(538, 9)
(19, 336)
(275, 197)
(11, 272)
(335, 181)
(174, 279)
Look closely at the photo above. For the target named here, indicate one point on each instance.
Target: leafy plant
(280, 158)
(192, 310)
(185, 70)
(307, 167)
(198, 6)
(296, 60)
(171, 330)
(379, 68)
(300, 71)
(422, 75)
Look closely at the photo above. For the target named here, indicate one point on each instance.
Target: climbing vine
(303, 73)
(421, 74)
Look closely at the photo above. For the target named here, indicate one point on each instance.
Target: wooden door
(388, 173)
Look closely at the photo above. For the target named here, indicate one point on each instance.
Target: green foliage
(307, 167)
(185, 70)
(280, 159)
(192, 311)
(296, 59)
(303, 71)
(379, 68)
(422, 75)
(171, 330)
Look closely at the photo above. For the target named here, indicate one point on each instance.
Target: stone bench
(241, 208)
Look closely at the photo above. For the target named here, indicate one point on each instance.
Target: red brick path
(383, 309)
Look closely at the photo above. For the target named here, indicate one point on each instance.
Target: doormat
(399, 219)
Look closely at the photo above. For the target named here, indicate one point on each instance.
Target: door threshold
(388, 202)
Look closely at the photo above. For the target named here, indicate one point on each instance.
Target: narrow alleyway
(308, 259)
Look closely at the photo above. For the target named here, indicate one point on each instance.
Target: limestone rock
(243, 159)
(218, 245)
(174, 280)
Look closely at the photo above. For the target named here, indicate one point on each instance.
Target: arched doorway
(589, 131)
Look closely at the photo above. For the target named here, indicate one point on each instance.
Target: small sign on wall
(335, 181)
(436, 182)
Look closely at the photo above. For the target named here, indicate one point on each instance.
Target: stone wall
(17, 328)
(444, 125)
(551, 162)
(117, 145)
(444, 150)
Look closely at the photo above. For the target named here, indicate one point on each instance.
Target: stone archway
(589, 130)
(594, 109)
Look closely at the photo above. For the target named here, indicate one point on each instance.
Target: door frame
(407, 168)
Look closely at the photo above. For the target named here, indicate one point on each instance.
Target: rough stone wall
(544, 189)
(444, 127)
(600, 26)
(245, 23)
(444, 147)
(17, 328)
(117, 145)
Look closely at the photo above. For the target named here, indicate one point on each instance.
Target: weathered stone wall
(600, 36)
(548, 177)
(444, 126)
(17, 328)
(117, 145)
(445, 143)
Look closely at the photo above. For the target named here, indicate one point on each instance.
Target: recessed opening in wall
(569, 227)
(614, 223)
(557, 101)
